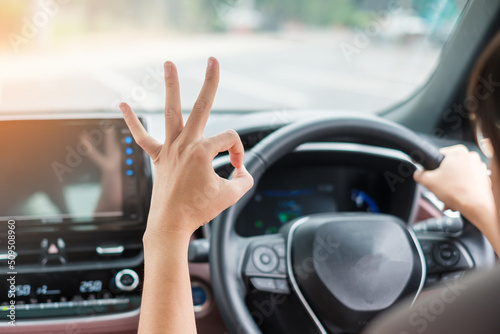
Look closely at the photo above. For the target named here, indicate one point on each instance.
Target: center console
(74, 198)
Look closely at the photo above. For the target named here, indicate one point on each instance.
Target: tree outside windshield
(70, 55)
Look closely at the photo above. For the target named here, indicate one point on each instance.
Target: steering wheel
(341, 269)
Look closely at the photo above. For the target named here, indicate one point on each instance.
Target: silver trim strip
(422, 261)
(350, 147)
(346, 147)
(5, 256)
(295, 286)
(465, 253)
(109, 250)
(83, 303)
(74, 321)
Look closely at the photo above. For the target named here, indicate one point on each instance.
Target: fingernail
(211, 63)
(168, 68)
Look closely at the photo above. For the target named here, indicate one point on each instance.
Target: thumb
(240, 182)
(425, 177)
(418, 175)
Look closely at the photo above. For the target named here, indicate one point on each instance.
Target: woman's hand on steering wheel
(462, 183)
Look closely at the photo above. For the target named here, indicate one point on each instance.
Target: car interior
(337, 104)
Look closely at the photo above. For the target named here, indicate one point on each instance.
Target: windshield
(68, 55)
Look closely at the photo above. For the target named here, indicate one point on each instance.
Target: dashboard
(79, 256)
(327, 177)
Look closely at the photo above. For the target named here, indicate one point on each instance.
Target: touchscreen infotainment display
(70, 171)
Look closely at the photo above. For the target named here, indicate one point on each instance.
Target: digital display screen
(27, 290)
(69, 293)
(75, 171)
(283, 195)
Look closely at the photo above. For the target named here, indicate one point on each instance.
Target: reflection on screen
(54, 171)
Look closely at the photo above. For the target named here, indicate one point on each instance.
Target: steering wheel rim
(226, 273)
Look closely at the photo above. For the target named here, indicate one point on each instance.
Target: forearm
(166, 302)
(491, 231)
(484, 216)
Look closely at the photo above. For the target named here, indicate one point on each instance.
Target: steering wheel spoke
(265, 264)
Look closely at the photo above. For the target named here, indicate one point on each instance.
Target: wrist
(167, 217)
(162, 248)
(480, 211)
(157, 236)
(163, 229)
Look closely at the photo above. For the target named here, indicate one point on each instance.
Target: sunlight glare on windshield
(68, 55)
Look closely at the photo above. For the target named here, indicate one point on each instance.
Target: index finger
(201, 110)
(141, 136)
(228, 141)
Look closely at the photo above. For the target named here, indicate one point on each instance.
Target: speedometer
(283, 196)
(364, 202)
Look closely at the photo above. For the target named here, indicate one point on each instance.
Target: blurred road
(258, 71)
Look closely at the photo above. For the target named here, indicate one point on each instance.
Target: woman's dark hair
(483, 94)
